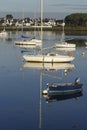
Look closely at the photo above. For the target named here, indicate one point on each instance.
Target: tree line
(76, 19)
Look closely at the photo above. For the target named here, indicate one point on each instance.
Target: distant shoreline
(68, 29)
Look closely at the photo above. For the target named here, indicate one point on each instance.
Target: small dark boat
(65, 88)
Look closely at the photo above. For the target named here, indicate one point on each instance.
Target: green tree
(9, 16)
(76, 19)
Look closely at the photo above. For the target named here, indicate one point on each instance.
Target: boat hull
(24, 43)
(65, 45)
(48, 59)
(66, 89)
(66, 49)
(33, 42)
(25, 46)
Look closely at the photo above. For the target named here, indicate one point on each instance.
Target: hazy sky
(49, 5)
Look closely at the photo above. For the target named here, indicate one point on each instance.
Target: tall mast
(41, 15)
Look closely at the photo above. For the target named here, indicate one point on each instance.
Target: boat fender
(45, 92)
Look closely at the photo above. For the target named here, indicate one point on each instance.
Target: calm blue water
(21, 105)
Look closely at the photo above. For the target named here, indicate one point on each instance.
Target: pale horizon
(69, 6)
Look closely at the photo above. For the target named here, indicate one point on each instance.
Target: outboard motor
(77, 81)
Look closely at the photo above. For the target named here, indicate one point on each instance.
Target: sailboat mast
(41, 13)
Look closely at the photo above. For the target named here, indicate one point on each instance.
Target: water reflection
(47, 67)
(7, 38)
(50, 66)
(65, 49)
(62, 97)
(69, 113)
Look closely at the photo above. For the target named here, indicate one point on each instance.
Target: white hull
(65, 45)
(25, 46)
(65, 49)
(34, 42)
(48, 58)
